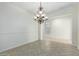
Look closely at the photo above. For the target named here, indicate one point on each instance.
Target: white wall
(59, 26)
(75, 28)
(16, 26)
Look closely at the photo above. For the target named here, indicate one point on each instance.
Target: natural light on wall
(59, 29)
(57, 22)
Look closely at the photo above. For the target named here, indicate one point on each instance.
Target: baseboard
(61, 40)
(17, 46)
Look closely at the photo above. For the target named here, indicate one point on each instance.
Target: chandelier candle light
(40, 17)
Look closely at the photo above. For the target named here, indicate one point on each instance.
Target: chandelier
(40, 16)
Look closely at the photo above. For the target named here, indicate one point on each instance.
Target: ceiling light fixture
(40, 17)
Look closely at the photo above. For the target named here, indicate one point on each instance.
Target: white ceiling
(48, 6)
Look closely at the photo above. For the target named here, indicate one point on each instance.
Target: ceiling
(48, 6)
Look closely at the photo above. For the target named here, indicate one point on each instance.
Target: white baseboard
(61, 40)
(17, 45)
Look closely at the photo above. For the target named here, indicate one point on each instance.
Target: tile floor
(43, 48)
